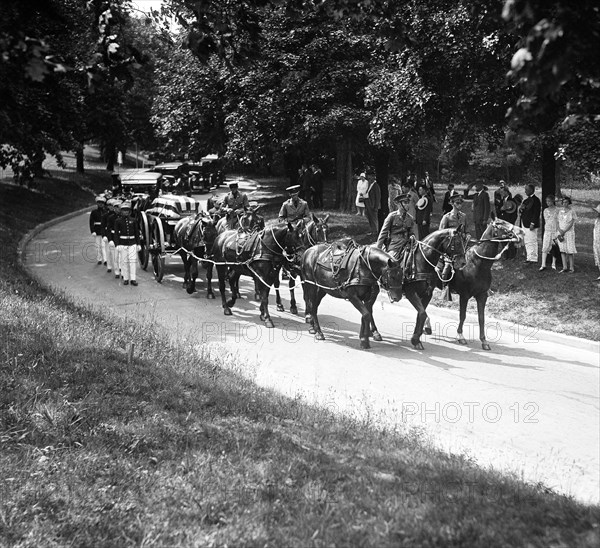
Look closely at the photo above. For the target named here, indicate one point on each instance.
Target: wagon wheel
(158, 257)
(144, 238)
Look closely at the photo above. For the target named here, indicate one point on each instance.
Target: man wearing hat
(481, 207)
(112, 259)
(397, 227)
(126, 240)
(455, 217)
(294, 208)
(96, 228)
(424, 207)
(235, 203)
(531, 210)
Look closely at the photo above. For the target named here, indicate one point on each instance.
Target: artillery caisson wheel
(158, 257)
(144, 238)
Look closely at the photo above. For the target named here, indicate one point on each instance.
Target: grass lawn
(171, 450)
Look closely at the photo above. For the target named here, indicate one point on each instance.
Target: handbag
(361, 199)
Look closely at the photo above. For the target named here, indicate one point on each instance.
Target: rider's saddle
(342, 260)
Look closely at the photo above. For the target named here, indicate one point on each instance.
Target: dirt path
(530, 406)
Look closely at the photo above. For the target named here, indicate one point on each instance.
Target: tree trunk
(548, 171)
(344, 195)
(111, 153)
(79, 159)
(381, 158)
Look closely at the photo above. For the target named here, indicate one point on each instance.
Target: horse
(259, 255)
(475, 278)
(353, 273)
(314, 232)
(418, 287)
(249, 221)
(194, 236)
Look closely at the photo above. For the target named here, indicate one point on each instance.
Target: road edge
(528, 334)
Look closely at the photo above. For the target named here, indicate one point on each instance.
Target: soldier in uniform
(397, 228)
(455, 217)
(96, 228)
(235, 203)
(295, 208)
(109, 237)
(126, 240)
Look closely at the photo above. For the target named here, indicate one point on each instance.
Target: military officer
(455, 217)
(109, 237)
(295, 208)
(235, 203)
(126, 240)
(397, 227)
(96, 228)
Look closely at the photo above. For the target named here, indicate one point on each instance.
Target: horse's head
(502, 231)
(315, 231)
(209, 230)
(392, 278)
(251, 221)
(293, 237)
(449, 243)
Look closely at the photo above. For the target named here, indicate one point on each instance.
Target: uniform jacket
(125, 231)
(236, 202)
(451, 220)
(96, 222)
(531, 209)
(109, 226)
(395, 232)
(481, 206)
(290, 212)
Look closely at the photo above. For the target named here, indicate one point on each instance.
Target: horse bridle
(450, 254)
(512, 238)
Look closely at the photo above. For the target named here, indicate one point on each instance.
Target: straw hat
(423, 202)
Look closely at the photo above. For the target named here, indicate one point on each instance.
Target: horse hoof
(485, 346)
(428, 331)
(377, 336)
(364, 344)
(461, 341)
(293, 310)
(230, 303)
(418, 345)
(269, 323)
(318, 336)
(227, 311)
(210, 295)
(280, 308)
(190, 290)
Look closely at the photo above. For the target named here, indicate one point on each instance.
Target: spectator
(424, 208)
(407, 188)
(531, 210)
(481, 207)
(317, 186)
(430, 187)
(372, 206)
(500, 196)
(596, 241)
(446, 205)
(362, 189)
(509, 213)
(566, 235)
(550, 230)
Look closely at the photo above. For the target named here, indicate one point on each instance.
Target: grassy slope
(171, 450)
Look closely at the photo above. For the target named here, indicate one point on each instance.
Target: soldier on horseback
(397, 228)
(234, 204)
(295, 208)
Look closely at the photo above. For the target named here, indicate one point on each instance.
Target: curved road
(530, 406)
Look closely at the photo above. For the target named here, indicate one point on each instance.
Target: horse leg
(234, 285)
(481, 301)
(209, 290)
(415, 299)
(365, 321)
(314, 319)
(193, 268)
(277, 295)
(222, 273)
(369, 304)
(264, 290)
(293, 306)
(461, 319)
(427, 326)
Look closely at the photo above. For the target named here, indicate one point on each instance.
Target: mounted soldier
(397, 228)
(234, 204)
(295, 208)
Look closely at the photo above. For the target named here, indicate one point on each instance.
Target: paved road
(530, 406)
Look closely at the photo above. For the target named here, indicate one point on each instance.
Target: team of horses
(341, 269)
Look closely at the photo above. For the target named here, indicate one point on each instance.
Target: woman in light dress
(566, 235)
(550, 230)
(362, 192)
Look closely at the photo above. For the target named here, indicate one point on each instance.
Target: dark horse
(313, 233)
(423, 275)
(353, 273)
(195, 237)
(475, 279)
(259, 255)
(248, 221)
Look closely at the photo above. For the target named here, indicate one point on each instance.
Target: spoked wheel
(158, 256)
(144, 237)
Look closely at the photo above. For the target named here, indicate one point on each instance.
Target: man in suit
(531, 210)
(481, 207)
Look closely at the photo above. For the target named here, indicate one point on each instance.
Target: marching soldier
(126, 240)
(295, 208)
(96, 228)
(109, 237)
(234, 204)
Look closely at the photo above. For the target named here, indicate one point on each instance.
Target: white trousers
(531, 244)
(128, 256)
(112, 259)
(100, 249)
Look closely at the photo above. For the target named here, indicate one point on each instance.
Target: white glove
(104, 239)
(93, 233)
(111, 244)
(138, 247)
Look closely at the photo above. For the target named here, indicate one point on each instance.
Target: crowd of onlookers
(417, 197)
